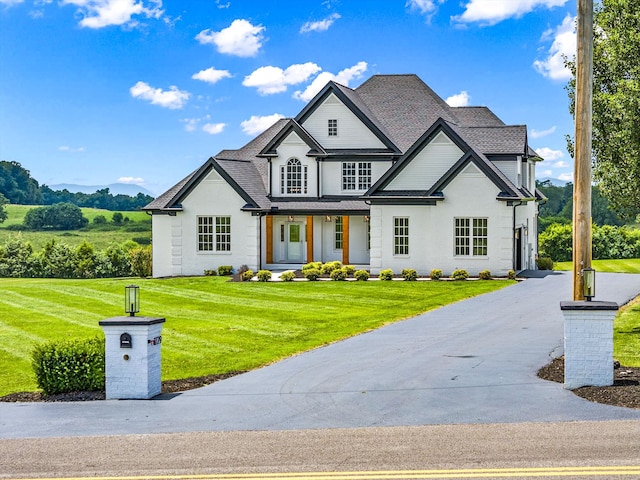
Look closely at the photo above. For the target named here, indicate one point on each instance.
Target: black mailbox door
(125, 341)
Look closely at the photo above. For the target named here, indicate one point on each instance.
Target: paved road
(470, 362)
(515, 450)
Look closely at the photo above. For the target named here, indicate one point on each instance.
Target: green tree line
(20, 188)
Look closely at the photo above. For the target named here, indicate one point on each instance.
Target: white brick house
(386, 175)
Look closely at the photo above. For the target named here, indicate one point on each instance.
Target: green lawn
(630, 265)
(626, 334)
(213, 326)
(138, 228)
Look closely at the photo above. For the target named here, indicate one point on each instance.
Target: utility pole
(582, 164)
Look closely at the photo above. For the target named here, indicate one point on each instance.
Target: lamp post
(589, 283)
(132, 300)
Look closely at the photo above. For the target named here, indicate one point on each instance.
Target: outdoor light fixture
(132, 300)
(589, 283)
(291, 218)
(327, 218)
(366, 218)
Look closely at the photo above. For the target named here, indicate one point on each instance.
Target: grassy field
(213, 326)
(630, 265)
(626, 333)
(100, 237)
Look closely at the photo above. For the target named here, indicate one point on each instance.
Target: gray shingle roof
(474, 116)
(500, 140)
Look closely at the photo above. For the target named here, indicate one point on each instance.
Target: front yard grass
(628, 265)
(213, 326)
(626, 334)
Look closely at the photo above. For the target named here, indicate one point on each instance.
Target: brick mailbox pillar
(588, 343)
(132, 357)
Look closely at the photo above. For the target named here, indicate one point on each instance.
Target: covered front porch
(292, 240)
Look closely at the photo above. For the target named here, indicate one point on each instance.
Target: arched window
(293, 178)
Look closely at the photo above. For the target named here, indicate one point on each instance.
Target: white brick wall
(588, 344)
(133, 372)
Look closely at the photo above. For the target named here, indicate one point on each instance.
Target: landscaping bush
(287, 276)
(436, 274)
(511, 274)
(69, 366)
(264, 275)
(350, 269)
(225, 270)
(329, 267)
(210, 273)
(460, 274)
(409, 274)
(386, 274)
(339, 274)
(312, 266)
(312, 274)
(361, 275)
(246, 275)
(485, 275)
(545, 263)
(141, 261)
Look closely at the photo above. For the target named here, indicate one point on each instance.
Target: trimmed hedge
(69, 366)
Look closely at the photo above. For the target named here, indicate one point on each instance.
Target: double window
(293, 178)
(401, 236)
(471, 237)
(356, 175)
(214, 234)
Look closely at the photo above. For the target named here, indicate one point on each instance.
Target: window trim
(332, 127)
(473, 239)
(338, 234)
(288, 177)
(400, 233)
(205, 228)
(355, 174)
(223, 234)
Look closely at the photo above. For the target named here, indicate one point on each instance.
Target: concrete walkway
(471, 362)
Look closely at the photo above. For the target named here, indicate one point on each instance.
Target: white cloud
(213, 128)
(211, 75)
(544, 173)
(321, 25)
(131, 180)
(566, 177)
(269, 80)
(343, 77)
(219, 4)
(65, 148)
(533, 133)
(459, 100)
(256, 125)
(172, 98)
(240, 38)
(564, 45)
(102, 13)
(561, 164)
(549, 154)
(190, 124)
(425, 7)
(10, 2)
(490, 12)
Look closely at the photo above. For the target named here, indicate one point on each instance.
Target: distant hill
(554, 181)
(114, 188)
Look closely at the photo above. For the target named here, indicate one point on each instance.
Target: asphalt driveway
(471, 362)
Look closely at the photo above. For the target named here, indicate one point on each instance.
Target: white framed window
(401, 236)
(293, 178)
(205, 234)
(471, 237)
(332, 127)
(356, 176)
(223, 234)
(338, 233)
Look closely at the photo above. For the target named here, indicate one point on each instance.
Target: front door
(295, 242)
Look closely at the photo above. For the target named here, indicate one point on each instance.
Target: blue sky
(144, 91)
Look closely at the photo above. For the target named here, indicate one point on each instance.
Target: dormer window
(332, 124)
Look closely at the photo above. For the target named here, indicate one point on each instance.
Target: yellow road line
(391, 475)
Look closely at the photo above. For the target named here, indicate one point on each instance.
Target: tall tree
(616, 103)
(17, 185)
(3, 211)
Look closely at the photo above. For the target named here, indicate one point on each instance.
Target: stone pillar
(588, 343)
(132, 357)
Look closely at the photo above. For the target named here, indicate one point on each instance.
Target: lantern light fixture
(132, 300)
(589, 283)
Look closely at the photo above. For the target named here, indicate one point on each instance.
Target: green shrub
(511, 275)
(99, 220)
(545, 263)
(329, 267)
(312, 274)
(141, 261)
(264, 275)
(350, 269)
(69, 366)
(386, 274)
(142, 240)
(312, 266)
(436, 274)
(225, 270)
(210, 273)
(409, 274)
(485, 275)
(287, 276)
(246, 275)
(339, 274)
(460, 274)
(361, 275)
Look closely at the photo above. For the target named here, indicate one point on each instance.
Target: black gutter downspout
(513, 239)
